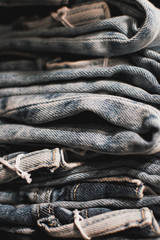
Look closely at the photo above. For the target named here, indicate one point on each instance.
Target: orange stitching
(53, 155)
(49, 210)
(75, 190)
(153, 228)
(143, 215)
(86, 213)
(47, 195)
(38, 212)
(62, 165)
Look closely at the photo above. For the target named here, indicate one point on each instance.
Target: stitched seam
(86, 213)
(153, 228)
(12, 161)
(143, 214)
(92, 18)
(75, 190)
(53, 155)
(62, 164)
(33, 167)
(83, 10)
(120, 228)
(112, 215)
(47, 195)
(111, 179)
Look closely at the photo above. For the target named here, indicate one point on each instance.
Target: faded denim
(80, 120)
(120, 73)
(44, 217)
(115, 36)
(112, 133)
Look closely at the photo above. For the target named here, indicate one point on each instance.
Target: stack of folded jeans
(80, 118)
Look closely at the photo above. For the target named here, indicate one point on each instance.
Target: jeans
(84, 191)
(79, 119)
(112, 37)
(140, 127)
(102, 224)
(45, 64)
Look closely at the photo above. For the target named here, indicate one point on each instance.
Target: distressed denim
(119, 73)
(136, 27)
(29, 162)
(108, 86)
(79, 134)
(112, 133)
(43, 217)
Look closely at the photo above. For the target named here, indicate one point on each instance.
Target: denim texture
(111, 41)
(102, 224)
(115, 169)
(77, 192)
(140, 128)
(79, 119)
(48, 64)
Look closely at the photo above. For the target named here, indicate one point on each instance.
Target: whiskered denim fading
(80, 120)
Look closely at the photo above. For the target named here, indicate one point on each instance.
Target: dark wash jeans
(78, 192)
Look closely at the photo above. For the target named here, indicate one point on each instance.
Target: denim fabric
(45, 216)
(23, 65)
(120, 73)
(151, 202)
(77, 192)
(79, 119)
(149, 60)
(140, 127)
(111, 87)
(69, 17)
(76, 16)
(106, 169)
(115, 36)
(42, 64)
(29, 162)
